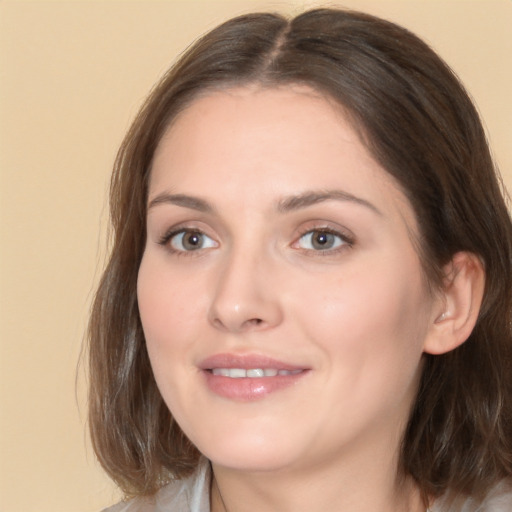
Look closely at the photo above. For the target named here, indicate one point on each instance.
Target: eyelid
(171, 233)
(345, 236)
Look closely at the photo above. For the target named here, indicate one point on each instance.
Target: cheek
(169, 310)
(370, 321)
(166, 306)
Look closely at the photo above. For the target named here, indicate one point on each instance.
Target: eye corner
(187, 241)
(323, 240)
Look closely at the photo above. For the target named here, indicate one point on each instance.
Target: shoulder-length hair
(418, 122)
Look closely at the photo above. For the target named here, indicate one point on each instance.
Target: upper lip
(245, 361)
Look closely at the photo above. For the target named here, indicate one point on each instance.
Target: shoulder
(191, 494)
(144, 504)
(499, 499)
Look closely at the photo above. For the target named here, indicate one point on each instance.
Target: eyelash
(166, 240)
(347, 241)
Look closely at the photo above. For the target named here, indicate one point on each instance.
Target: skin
(357, 316)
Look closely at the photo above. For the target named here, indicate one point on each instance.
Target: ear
(456, 310)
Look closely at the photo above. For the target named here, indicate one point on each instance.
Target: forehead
(258, 142)
(254, 117)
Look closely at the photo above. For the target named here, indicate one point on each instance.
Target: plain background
(72, 76)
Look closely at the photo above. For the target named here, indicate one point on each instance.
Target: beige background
(72, 75)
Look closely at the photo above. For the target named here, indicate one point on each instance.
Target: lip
(249, 388)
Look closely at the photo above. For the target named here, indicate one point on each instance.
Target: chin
(250, 461)
(249, 453)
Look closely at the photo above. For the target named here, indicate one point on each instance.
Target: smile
(252, 373)
(249, 377)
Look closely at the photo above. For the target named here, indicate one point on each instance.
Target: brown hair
(420, 125)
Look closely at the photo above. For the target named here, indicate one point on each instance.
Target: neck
(300, 491)
(360, 476)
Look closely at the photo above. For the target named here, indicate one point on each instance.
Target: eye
(188, 241)
(322, 240)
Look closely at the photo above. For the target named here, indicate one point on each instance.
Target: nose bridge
(244, 298)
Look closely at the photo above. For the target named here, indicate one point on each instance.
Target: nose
(246, 297)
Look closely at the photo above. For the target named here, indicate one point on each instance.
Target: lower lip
(246, 389)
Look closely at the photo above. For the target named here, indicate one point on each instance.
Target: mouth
(251, 373)
(245, 378)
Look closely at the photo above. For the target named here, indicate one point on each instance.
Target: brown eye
(319, 240)
(191, 241)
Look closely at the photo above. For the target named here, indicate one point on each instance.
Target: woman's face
(282, 299)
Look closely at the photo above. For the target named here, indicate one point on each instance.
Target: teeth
(238, 373)
(256, 373)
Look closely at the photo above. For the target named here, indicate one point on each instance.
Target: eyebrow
(291, 203)
(314, 197)
(183, 200)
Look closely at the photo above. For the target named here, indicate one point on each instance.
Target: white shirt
(192, 494)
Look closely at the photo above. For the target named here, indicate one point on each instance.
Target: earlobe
(459, 304)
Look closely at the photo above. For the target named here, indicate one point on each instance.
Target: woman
(307, 305)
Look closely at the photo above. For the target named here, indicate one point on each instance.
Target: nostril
(251, 323)
(236, 326)
(217, 323)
